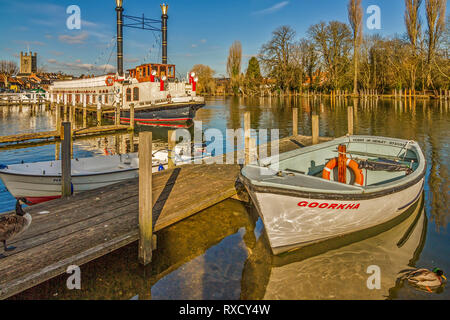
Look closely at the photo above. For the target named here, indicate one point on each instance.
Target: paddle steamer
(151, 89)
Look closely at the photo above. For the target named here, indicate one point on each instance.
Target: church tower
(28, 63)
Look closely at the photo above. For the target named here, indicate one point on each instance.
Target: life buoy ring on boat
(352, 164)
(109, 81)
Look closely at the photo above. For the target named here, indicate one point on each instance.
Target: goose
(13, 225)
(425, 278)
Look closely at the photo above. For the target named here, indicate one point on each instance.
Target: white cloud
(272, 9)
(83, 67)
(78, 39)
(27, 43)
(86, 23)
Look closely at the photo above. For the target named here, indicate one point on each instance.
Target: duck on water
(424, 278)
(13, 225)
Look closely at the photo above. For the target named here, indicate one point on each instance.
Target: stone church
(28, 63)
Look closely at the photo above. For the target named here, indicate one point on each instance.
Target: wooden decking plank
(28, 136)
(67, 229)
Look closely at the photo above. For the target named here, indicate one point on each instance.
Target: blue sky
(200, 31)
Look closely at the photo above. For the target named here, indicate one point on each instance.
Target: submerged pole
(145, 198)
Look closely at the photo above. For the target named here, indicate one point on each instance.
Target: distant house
(318, 78)
(222, 85)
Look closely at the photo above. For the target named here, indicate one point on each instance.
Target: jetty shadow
(165, 193)
(297, 143)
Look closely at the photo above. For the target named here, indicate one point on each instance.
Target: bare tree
(435, 15)
(413, 29)
(355, 15)
(234, 65)
(275, 56)
(8, 67)
(333, 42)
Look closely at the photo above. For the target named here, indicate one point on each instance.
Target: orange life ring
(109, 81)
(352, 164)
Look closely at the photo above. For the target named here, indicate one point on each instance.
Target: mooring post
(171, 137)
(315, 129)
(99, 113)
(131, 137)
(145, 198)
(253, 157)
(117, 121)
(350, 120)
(132, 116)
(66, 177)
(57, 151)
(58, 120)
(84, 117)
(295, 122)
(247, 126)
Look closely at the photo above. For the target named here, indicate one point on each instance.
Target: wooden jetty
(55, 135)
(89, 225)
(80, 228)
(92, 224)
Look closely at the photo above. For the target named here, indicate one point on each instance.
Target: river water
(223, 253)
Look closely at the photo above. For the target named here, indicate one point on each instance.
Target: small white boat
(301, 201)
(41, 181)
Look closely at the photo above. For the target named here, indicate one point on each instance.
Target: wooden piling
(253, 151)
(57, 151)
(99, 115)
(132, 116)
(84, 117)
(58, 119)
(350, 120)
(315, 129)
(171, 135)
(66, 177)
(117, 114)
(131, 137)
(145, 198)
(247, 126)
(295, 122)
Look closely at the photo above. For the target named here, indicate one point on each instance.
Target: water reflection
(323, 272)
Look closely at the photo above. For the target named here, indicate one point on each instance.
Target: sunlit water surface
(223, 253)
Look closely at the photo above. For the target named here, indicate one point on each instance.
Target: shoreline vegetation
(336, 59)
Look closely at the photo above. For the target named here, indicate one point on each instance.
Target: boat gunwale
(330, 195)
(367, 192)
(72, 175)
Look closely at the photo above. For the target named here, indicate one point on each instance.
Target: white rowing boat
(301, 201)
(41, 181)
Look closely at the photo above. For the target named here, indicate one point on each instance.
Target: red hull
(36, 200)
